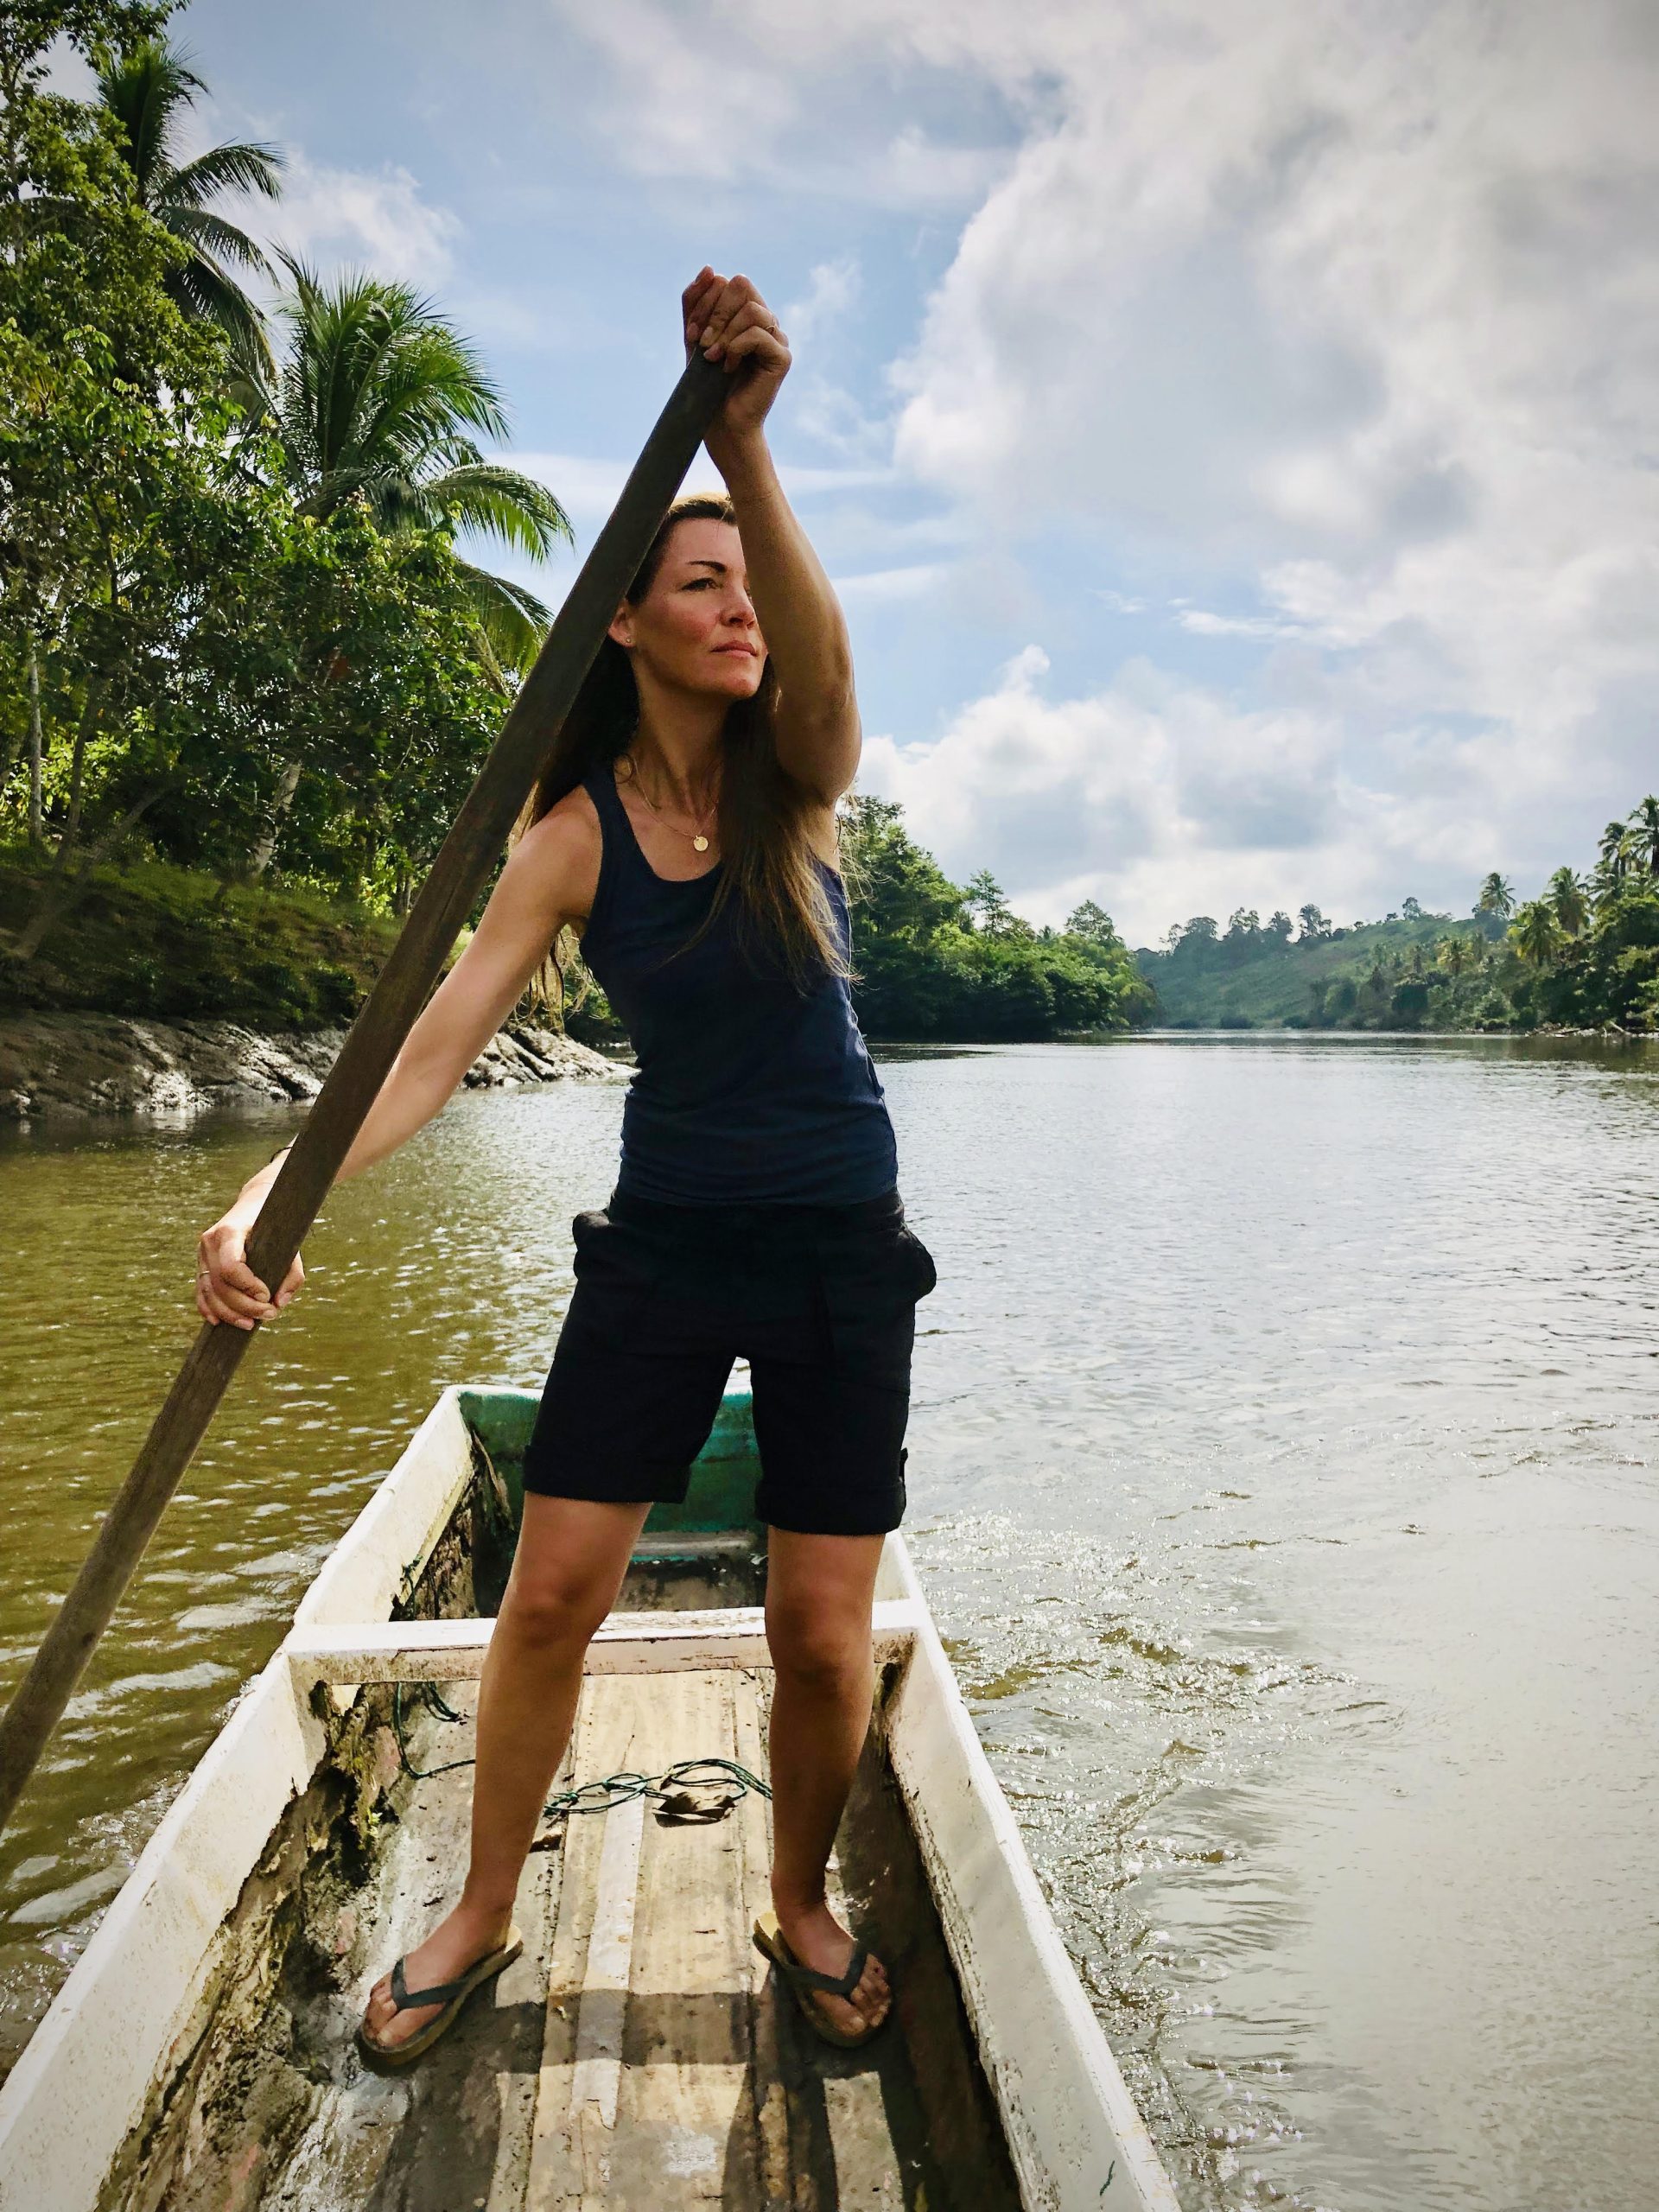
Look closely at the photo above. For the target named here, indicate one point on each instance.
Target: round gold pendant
(699, 844)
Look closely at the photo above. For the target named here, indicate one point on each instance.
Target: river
(1282, 1476)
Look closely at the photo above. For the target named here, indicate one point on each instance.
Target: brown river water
(1282, 1477)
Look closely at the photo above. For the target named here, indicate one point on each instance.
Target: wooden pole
(458, 875)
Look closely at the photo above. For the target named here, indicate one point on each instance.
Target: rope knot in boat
(690, 1793)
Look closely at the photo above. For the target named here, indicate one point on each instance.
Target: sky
(1232, 426)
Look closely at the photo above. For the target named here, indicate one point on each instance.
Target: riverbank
(85, 1064)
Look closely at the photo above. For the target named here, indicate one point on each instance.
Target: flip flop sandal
(803, 1979)
(452, 1994)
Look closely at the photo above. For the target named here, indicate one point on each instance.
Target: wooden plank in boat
(390, 1651)
(566, 2161)
(686, 2122)
(777, 2188)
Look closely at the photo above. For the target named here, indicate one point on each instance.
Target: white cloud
(1363, 307)
(1201, 623)
(913, 582)
(1345, 319)
(585, 488)
(822, 411)
(1161, 798)
(373, 219)
(832, 292)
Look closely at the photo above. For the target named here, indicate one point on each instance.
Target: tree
(1279, 929)
(898, 889)
(1093, 924)
(98, 374)
(377, 399)
(147, 93)
(1536, 933)
(1453, 956)
(987, 902)
(1244, 934)
(1497, 897)
(374, 404)
(1616, 851)
(1567, 895)
(1314, 925)
(918, 972)
(1646, 821)
(1411, 910)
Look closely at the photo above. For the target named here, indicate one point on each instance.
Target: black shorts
(821, 1300)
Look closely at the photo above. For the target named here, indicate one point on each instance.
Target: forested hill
(1584, 954)
(1255, 976)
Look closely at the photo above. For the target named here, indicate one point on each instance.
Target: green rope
(670, 1787)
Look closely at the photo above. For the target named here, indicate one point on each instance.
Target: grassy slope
(1267, 989)
(169, 943)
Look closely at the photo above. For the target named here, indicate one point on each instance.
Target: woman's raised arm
(817, 726)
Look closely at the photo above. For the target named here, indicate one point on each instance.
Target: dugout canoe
(638, 2053)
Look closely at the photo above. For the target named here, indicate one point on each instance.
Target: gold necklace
(698, 836)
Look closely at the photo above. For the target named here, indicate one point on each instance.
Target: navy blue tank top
(749, 1090)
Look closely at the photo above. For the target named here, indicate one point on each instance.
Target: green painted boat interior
(719, 1500)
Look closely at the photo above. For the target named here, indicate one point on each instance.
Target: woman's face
(695, 629)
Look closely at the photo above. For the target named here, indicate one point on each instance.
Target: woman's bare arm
(549, 880)
(817, 726)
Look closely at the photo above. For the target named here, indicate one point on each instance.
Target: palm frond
(253, 384)
(512, 619)
(143, 92)
(378, 381)
(205, 292)
(242, 166)
(501, 503)
(212, 234)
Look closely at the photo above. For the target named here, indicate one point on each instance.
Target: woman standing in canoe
(685, 825)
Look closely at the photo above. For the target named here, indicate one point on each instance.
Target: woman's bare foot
(454, 1945)
(818, 1940)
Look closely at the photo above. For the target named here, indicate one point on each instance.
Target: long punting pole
(458, 875)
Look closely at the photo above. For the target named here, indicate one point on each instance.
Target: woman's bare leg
(571, 1557)
(819, 1591)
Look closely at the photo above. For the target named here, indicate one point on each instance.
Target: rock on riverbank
(67, 1064)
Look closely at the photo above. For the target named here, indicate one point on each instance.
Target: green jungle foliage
(232, 638)
(1582, 955)
(934, 960)
(173, 942)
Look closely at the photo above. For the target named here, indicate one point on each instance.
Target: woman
(685, 825)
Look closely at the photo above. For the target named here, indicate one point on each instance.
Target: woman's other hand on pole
(227, 1289)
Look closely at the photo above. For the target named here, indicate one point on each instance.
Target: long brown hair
(767, 854)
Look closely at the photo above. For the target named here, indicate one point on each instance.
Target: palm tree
(1566, 896)
(1454, 955)
(1616, 854)
(1535, 932)
(147, 93)
(377, 399)
(1646, 821)
(1497, 897)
